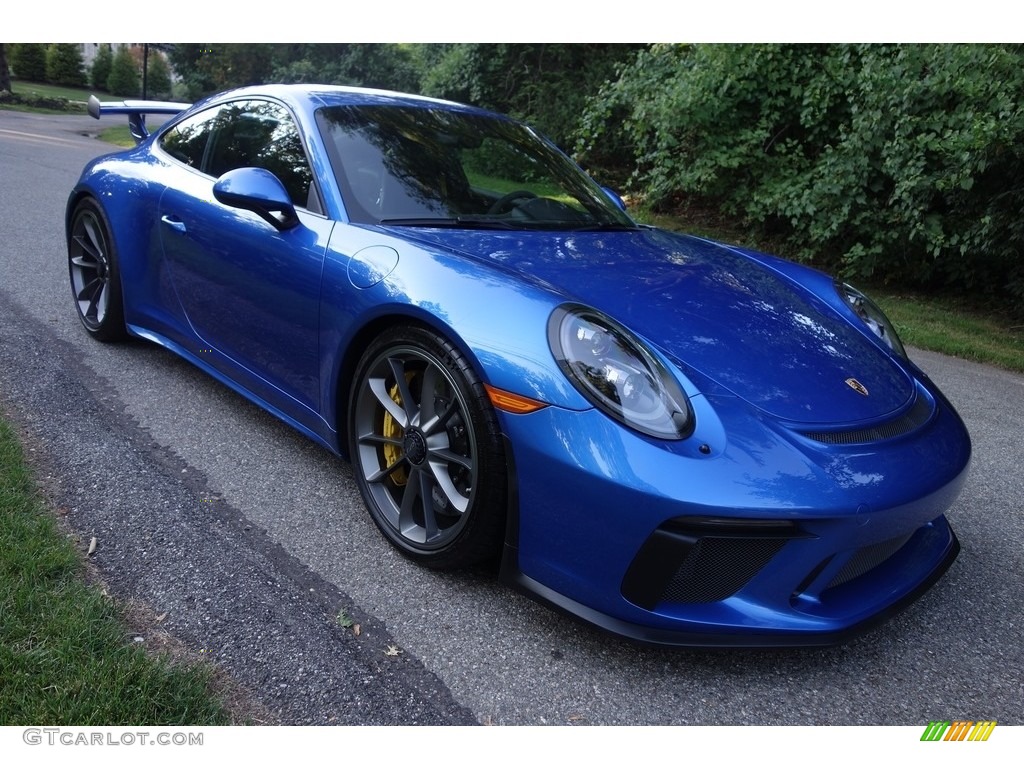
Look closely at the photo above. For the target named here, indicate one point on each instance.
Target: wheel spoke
(430, 529)
(380, 391)
(84, 263)
(89, 290)
(95, 241)
(417, 498)
(93, 299)
(100, 304)
(88, 248)
(427, 394)
(397, 366)
(372, 439)
(447, 456)
(440, 421)
(443, 478)
(378, 476)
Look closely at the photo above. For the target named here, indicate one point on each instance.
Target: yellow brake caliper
(393, 431)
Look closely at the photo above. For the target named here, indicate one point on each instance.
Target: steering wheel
(504, 201)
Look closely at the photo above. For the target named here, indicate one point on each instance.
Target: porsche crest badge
(857, 387)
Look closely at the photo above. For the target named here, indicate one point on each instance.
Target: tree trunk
(5, 72)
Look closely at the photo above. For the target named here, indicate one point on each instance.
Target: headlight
(872, 317)
(615, 372)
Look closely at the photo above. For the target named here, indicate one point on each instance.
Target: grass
(119, 135)
(47, 91)
(66, 653)
(28, 96)
(954, 327)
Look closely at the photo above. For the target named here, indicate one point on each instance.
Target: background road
(251, 539)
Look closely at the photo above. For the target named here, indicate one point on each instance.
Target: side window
(262, 135)
(187, 140)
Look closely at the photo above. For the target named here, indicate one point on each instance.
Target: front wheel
(426, 450)
(93, 268)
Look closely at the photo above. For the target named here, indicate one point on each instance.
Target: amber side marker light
(511, 402)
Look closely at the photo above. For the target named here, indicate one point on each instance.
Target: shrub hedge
(885, 162)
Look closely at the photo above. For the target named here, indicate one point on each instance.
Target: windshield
(427, 166)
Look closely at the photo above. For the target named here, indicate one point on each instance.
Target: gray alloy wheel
(95, 282)
(426, 450)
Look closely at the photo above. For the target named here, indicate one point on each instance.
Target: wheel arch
(78, 194)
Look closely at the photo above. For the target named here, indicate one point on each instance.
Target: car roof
(304, 96)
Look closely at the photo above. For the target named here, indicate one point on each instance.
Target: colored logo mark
(958, 730)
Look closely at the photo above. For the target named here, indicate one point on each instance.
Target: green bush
(886, 162)
(158, 76)
(124, 74)
(28, 61)
(101, 64)
(64, 65)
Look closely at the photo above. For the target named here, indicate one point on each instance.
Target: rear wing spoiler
(136, 110)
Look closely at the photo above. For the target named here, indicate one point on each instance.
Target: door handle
(174, 223)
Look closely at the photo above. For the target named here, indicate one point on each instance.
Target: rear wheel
(427, 450)
(95, 281)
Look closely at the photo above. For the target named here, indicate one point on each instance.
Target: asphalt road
(251, 539)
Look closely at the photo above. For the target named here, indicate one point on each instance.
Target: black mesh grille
(918, 414)
(867, 558)
(718, 567)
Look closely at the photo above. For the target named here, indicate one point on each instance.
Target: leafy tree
(124, 74)
(158, 75)
(64, 64)
(372, 65)
(237, 64)
(186, 58)
(545, 84)
(891, 162)
(209, 67)
(28, 60)
(101, 65)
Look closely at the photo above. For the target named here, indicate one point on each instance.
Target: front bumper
(750, 535)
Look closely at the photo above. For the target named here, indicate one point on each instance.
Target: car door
(250, 291)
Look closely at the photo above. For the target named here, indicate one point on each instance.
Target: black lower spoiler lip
(136, 109)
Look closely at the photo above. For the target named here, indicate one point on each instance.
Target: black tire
(431, 469)
(93, 269)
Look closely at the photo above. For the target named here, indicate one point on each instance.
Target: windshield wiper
(606, 227)
(484, 222)
(458, 222)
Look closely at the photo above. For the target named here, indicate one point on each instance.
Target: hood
(711, 309)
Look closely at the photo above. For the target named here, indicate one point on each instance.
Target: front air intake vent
(912, 419)
(703, 559)
(718, 568)
(868, 558)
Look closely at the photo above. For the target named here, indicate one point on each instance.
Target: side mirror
(614, 196)
(259, 191)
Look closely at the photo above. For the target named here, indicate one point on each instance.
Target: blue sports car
(680, 441)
